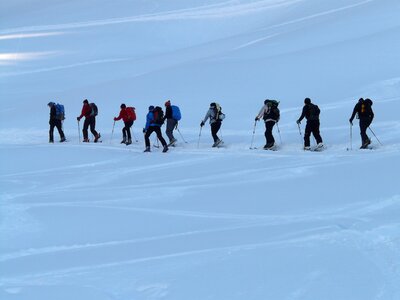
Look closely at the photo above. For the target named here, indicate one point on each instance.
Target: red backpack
(130, 113)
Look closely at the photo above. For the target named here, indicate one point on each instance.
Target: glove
(78, 118)
(256, 119)
(115, 119)
(201, 124)
(351, 122)
(144, 130)
(298, 122)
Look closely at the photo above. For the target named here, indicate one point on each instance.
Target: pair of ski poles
(351, 136)
(112, 134)
(254, 133)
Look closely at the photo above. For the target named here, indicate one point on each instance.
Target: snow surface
(105, 221)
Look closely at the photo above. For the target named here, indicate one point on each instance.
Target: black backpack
(314, 112)
(365, 108)
(95, 111)
(158, 115)
(273, 110)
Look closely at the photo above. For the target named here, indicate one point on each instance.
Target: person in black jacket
(364, 112)
(311, 113)
(55, 121)
(171, 123)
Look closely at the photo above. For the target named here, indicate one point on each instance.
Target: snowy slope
(105, 221)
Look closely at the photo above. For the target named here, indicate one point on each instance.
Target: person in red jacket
(127, 114)
(89, 112)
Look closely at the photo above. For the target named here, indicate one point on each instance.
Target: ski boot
(269, 146)
(165, 149)
(51, 141)
(86, 140)
(128, 142)
(147, 149)
(307, 148)
(365, 144)
(123, 141)
(217, 142)
(96, 139)
(63, 139)
(172, 142)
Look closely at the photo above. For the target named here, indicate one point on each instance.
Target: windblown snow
(107, 221)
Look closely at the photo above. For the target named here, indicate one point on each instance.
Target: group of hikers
(156, 117)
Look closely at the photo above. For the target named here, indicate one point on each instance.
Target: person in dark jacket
(128, 121)
(364, 112)
(150, 127)
(311, 113)
(55, 121)
(171, 123)
(216, 116)
(90, 120)
(270, 116)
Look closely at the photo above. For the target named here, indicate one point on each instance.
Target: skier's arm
(354, 113)
(119, 117)
(261, 113)
(303, 114)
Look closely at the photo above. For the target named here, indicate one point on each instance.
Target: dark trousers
(90, 121)
(157, 130)
(127, 130)
(364, 124)
(55, 123)
(312, 127)
(214, 130)
(268, 132)
(171, 123)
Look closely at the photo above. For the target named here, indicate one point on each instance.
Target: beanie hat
(123, 105)
(86, 101)
(212, 104)
(168, 103)
(266, 101)
(307, 101)
(50, 104)
(151, 107)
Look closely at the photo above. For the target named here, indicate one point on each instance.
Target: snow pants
(89, 121)
(171, 123)
(157, 130)
(126, 131)
(55, 123)
(312, 126)
(269, 125)
(214, 130)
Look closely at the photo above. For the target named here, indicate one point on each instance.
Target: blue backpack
(176, 112)
(60, 112)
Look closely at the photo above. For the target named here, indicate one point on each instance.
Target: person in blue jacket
(154, 121)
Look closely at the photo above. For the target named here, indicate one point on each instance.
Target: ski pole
(133, 134)
(351, 136)
(301, 136)
(181, 135)
(254, 133)
(280, 138)
(112, 132)
(79, 132)
(198, 142)
(375, 136)
(156, 141)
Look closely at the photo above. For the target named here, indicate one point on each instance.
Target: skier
(154, 121)
(172, 115)
(127, 114)
(55, 121)
(216, 116)
(311, 113)
(364, 112)
(270, 114)
(89, 111)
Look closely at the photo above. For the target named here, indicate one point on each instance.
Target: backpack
(176, 113)
(365, 108)
(60, 112)
(219, 115)
(273, 110)
(95, 111)
(158, 116)
(314, 112)
(130, 113)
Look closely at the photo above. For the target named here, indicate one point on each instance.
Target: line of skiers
(155, 118)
